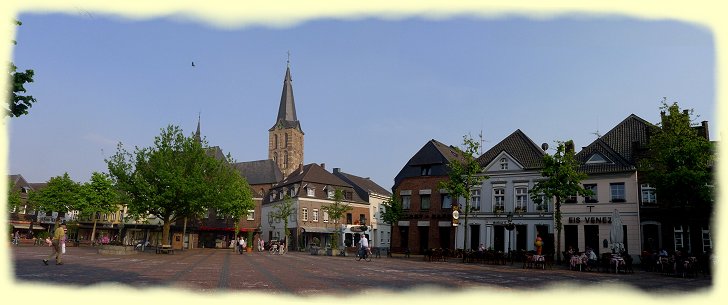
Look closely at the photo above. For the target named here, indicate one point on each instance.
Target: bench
(165, 249)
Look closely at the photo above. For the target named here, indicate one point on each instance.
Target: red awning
(203, 228)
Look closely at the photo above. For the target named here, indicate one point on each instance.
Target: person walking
(58, 238)
(16, 238)
(241, 244)
(364, 244)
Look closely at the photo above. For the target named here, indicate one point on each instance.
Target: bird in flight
(193, 63)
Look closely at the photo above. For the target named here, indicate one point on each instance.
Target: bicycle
(363, 254)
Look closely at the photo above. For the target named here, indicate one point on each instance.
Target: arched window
(275, 157)
(287, 140)
(285, 159)
(275, 141)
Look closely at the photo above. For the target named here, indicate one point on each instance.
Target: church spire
(287, 108)
(198, 136)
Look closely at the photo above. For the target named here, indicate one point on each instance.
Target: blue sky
(369, 93)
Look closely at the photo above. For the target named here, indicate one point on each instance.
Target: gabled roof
(519, 147)
(287, 108)
(312, 173)
(259, 172)
(434, 152)
(622, 145)
(363, 186)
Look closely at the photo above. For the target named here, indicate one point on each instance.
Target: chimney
(337, 170)
(706, 133)
(323, 165)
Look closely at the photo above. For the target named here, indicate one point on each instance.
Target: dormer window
(504, 163)
(597, 159)
(425, 170)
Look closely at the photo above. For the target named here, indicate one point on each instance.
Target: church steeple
(198, 136)
(285, 138)
(287, 108)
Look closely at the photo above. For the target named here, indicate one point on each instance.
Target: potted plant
(249, 242)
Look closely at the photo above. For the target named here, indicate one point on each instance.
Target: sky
(369, 92)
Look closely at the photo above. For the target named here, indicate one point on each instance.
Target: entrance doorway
(474, 237)
(499, 238)
(591, 237)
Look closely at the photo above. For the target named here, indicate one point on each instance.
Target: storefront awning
(317, 230)
(21, 226)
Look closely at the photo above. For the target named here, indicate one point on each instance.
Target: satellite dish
(545, 146)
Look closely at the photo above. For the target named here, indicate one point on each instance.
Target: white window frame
(326, 216)
(707, 240)
(648, 193)
(614, 192)
(310, 192)
(251, 215)
(446, 201)
(475, 199)
(681, 238)
(304, 214)
(595, 189)
(504, 163)
(520, 197)
(499, 198)
(315, 215)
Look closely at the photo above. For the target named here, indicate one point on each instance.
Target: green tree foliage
(283, 210)
(14, 201)
(174, 178)
(336, 211)
(464, 175)
(562, 180)
(393, 211)
(61, 195)
(230, 184)
(18, 104)
(679, 160)
(98, 196)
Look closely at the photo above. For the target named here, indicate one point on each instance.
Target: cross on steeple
(288, 60)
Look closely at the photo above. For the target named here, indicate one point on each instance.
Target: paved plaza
(300, 273)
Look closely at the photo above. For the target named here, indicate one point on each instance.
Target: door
(499, 238)
(521, 237)
(424, 235)
(474, 237)
(591, 238)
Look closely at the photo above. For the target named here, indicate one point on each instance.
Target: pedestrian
(58, 238)
(16, 238)
(241, 244)
(364, 244)
(261, 245)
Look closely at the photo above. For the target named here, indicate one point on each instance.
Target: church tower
(285, 138)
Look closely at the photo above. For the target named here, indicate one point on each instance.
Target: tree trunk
(165, 233)
(465, 229)
(93, 232)
(184, 232)
(557, 218)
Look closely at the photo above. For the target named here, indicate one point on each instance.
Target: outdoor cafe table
(617, 261)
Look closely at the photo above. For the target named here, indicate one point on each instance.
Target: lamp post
(510, 226)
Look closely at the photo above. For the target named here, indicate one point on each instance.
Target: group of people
(241, 244)
(587, 258)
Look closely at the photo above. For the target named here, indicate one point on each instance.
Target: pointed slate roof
(287, 109)
(623, 145)
(259, 172)
(434, 154)
(519, 146)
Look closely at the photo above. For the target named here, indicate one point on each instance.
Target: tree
(98, 196)
(61, 195)
(679, 160)
(172, 179)
(562, 180)
(14, 200)
(464, 175)
(283, 210)
(392, 213)
(336, 210)
(233, 186)
(19, 104)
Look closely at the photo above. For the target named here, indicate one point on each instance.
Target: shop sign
(591, 220)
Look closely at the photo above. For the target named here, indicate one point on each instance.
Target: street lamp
(510, 226)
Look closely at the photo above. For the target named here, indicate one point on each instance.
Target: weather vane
(288, 61)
